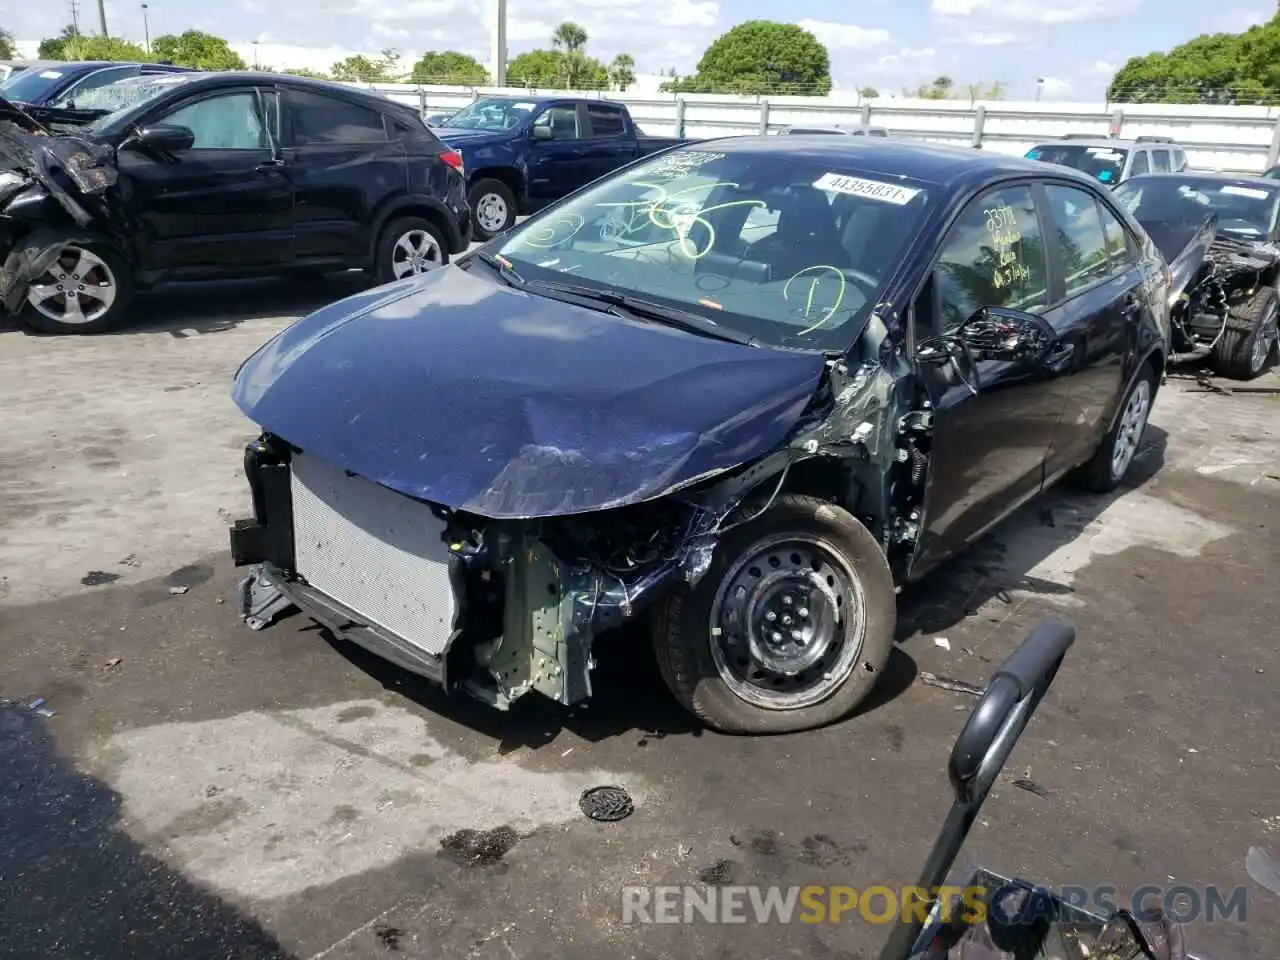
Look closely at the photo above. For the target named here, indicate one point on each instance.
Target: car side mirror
(165, 137)
(1013, 336)
(543, 133)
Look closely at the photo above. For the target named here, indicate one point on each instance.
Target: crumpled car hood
(483, 398)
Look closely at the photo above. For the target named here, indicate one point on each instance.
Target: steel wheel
(415, 251)
(77, 289)
(787, 622)
(491, 213)
(1133, 423)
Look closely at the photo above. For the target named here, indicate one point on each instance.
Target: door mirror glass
(166, 137)
(543, 133)
(998, 333)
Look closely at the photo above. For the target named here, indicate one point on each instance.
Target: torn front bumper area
(492, 608)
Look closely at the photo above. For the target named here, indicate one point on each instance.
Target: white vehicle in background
(1109, 161)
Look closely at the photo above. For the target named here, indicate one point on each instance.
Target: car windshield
(125, 94)
(1245, 209)
(493, 113)
(31, 86)
(789, 250)
(1103, 163)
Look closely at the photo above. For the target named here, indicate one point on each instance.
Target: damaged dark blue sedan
(743, 388)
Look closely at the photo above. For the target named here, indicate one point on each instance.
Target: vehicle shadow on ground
(629, 697)
(1001, 563)
(78, 885)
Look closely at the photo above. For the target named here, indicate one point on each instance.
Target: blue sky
(1075, 44)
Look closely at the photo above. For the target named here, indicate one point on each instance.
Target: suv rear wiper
(624, 305)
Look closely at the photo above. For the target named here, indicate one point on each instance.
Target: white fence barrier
(1234, 138)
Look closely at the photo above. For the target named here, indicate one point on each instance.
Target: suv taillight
(453, 158)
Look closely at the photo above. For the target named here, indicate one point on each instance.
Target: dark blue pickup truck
(523, 153)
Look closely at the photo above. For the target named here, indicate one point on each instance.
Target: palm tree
(569, 37)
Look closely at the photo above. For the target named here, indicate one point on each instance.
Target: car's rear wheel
(1247, 345)
(87, 289)
(1114, 457)
(493, 208)
(790, 627)
(410, 246)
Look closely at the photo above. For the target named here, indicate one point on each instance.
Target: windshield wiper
(506, 273)
(626, 305)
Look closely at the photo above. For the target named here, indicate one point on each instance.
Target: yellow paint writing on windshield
(678, 212)
(814, 275)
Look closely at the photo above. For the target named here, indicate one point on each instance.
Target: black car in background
(1220, 234)
(748, 386)
(213, 176)
(58, 83)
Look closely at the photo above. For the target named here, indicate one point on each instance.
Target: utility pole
(102, 15)
(75, 18)
(146, 28)
(498, 43)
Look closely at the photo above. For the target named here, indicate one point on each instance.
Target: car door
(344, 162)
(556, 164)
(1101, 286)
(993, 421)
(223, 207)
(605, 146)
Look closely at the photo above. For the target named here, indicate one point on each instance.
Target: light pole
(146, 28)
(255, 54)
(102, 15)
(1039, 88)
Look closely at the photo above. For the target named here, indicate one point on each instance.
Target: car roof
(547, 98)
(1109, 142)
(935, 163)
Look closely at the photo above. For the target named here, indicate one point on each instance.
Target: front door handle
(1060, 356)
(270, 165)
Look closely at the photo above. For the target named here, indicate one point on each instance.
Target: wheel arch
(508, 176)
(417, 205)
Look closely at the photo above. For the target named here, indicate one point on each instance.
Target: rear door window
(1160, 161)
(1082, 244)
(1140, 164)
(606, 121)
(315, 119)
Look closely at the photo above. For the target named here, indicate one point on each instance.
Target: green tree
(449, 66)
(1211, 68)
(569, 38)
(869, 92)
(7, 49)
(622, 72)
(381, 69)
(101, 48)
(193, 48)
(758, 57)
(52, 48)
(304, 72)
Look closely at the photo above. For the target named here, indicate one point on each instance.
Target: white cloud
(1242, 18)
(1101, 68)
(1033, 12)
(845, 36)
(1053, 85)
(982, 38)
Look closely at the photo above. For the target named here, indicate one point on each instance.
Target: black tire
(682, 624)
(1100, 474)
(478, 198)
(1234, 355)
(121, 280)
(384, 269)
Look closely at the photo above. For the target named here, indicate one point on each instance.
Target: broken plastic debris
(1263, 868)
(1029, 785)
(942, 642)
(178, 591)
(37, 707)
(113, 662)
(606, 804)
(946, 683)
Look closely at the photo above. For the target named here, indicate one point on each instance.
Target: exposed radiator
(373, 550)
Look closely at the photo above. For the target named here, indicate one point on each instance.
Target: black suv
(212, 176)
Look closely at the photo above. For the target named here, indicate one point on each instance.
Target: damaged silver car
(743, 389)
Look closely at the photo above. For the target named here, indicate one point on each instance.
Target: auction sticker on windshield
(871, 189)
